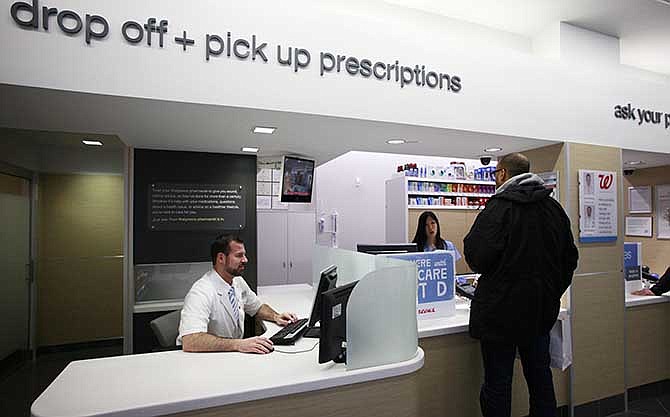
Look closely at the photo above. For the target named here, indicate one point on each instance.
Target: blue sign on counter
(436, 271)
(632, 261)
(631, 254)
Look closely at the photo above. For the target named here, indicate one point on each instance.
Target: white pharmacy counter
(171, 382)
(286, 382)
(641, 300)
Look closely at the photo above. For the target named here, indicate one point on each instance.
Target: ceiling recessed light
(265, 130)
(396, 141)
(493, 149)
(91, 142)
(634, 162)
(250, 149)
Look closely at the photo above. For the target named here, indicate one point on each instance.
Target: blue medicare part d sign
(632, 261)
(435, 280)
(631, 254)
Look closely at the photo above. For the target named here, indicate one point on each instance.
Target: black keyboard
(290, 333)
(465, 290)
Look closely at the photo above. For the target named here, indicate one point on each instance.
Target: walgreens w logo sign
(606, 181)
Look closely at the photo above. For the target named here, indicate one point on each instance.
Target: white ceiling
(45, 138)
(156, 124)
(643, 26)
(44, 119)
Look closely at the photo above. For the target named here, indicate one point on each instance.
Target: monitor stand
(313, 332)
(342, 357)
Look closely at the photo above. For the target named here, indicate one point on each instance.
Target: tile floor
(21, 384)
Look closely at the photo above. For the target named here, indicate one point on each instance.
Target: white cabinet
(272, 248)
(285, 245)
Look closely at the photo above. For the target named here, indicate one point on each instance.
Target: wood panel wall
(14, 254)
(597, 291)
(655, 252)
(79, 271)
(647, 341)
(447, 386)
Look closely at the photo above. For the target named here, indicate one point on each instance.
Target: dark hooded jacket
(522, 246)
(663, 284)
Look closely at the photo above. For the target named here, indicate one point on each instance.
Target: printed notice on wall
(663, 211)
(597, 206)
(174, 206)
(638, 226)
(639, 199)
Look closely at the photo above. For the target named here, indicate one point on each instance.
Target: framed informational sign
(638, 226)
(639, 199)
(597, 206)
(435, 282)
(663, 211)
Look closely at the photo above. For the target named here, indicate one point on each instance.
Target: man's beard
(235, 271)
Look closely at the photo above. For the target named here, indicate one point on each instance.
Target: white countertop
(298, 298)
(163, 305)
(170, 382)
(640, 300)
(292, 297)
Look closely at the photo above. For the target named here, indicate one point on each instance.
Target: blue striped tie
(233, 303)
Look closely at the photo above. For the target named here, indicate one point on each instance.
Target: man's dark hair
(515, 164)
(222, 245)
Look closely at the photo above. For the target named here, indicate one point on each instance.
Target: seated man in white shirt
(212, 319)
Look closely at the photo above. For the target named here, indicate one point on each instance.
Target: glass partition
(160, 282)
(385, 293)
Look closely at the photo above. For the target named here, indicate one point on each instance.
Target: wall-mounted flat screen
(297, 180)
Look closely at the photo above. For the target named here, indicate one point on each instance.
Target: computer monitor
(297, 179)
(387, 248)
(334, 324)
(327, 281)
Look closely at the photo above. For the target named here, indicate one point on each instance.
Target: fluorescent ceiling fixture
(396, 141)
(493, 149)
(91, 142)
(264, 130)
(250, 149)
(634, 162)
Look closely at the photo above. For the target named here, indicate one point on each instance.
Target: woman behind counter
(428, 237)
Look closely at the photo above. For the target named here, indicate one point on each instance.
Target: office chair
(166, 329)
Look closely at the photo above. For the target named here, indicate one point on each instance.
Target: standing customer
(662, 286)
(427, 236)
(522, 246)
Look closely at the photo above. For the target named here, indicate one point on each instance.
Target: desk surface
(640, 300)
(170, 382)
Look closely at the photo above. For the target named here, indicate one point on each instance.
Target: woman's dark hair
(420, 236)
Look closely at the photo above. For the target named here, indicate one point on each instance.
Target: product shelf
(448, 194)
(438, 207)
(449, 181)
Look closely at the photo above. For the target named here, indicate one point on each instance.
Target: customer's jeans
(496, 394)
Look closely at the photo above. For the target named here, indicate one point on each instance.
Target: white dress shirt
(207, 307)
